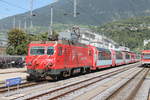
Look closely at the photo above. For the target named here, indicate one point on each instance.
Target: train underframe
(146, 65)
(55, 74)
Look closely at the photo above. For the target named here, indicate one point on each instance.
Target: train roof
(146, 51)
(66, 42)
(102, 49)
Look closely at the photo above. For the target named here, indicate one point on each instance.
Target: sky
(13, 7)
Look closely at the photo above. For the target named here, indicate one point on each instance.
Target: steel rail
(135, 88)
(97, 79)
(23, 85)
(28, 84)
(148, 98)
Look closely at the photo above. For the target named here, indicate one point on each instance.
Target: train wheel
(29, 78)
(56, 78)
(33, 78)
(83, 71)
(66, 74)
(88, 70)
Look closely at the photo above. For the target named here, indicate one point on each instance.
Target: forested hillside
(89, 12)
(130, 32)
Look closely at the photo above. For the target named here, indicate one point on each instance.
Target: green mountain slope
(91, 12)
(130, 32)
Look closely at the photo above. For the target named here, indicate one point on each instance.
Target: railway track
(105, 90)
(23, 85)
(58, 86)
(128, 90)
(148, 95)
(12, 72)
(65, 90)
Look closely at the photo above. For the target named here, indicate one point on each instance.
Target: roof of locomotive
(60, 42)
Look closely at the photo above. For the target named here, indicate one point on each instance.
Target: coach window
(107, 55)
(100, 56)
(119, 55)
(59, 51)
(127, 56)
(50, 50)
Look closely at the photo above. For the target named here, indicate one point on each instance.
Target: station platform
(12, 70)
(12, 73)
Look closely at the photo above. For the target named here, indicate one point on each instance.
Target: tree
(147, 47)
(43, 36)
(17, 42)
(54, 36)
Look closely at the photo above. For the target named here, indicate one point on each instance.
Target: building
(146, 42)
(3, 43)
(2, 50)
(88, 37)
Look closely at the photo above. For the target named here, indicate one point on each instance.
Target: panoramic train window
(39, 50)
(127, 56)
(119, 55)
(60, 51)
(104, 55)
(50, 50)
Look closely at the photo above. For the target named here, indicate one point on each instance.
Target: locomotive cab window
(38, 50)
(146, 56)
(50, 50)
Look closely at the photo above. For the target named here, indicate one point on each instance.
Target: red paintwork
(75, 57)
(145, 52)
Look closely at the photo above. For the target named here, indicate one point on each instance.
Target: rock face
(90, 12)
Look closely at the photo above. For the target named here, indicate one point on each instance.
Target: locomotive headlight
(49, 64)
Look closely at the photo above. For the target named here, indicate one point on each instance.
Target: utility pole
(75, 8)
(31, 13)
(25, 24)
(19, 24)
(51, 23)
(14, 22)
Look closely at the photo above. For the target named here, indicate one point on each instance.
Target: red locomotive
(145, 57)
(56, 59)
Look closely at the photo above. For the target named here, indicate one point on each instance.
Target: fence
(7, 61)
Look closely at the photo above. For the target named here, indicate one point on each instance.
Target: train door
(94, 58)
(74, 57)
(124, 58)
(113, 57)
(60, 58)
(67, 57)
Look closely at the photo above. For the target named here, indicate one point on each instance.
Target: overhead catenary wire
(85, 12)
